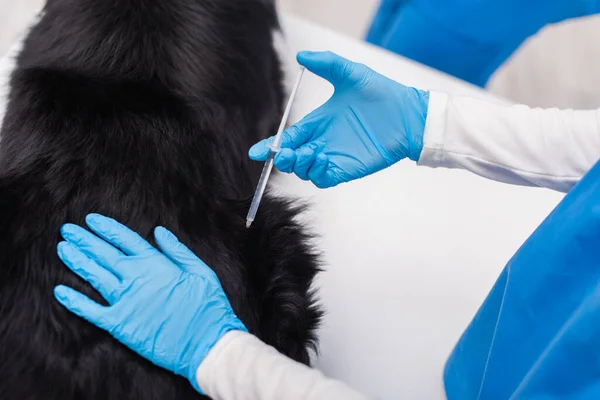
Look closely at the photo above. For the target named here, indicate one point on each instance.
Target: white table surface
(410, 253)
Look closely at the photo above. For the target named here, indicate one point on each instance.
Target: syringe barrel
(261, 187)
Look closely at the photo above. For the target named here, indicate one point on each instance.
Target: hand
(370, 123)
(468, 39)
(169, 307)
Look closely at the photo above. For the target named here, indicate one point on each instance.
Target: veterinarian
(168, 306)
(465, 38)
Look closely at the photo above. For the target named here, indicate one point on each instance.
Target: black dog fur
(142, 110)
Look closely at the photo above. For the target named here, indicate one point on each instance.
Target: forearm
(241, 367)
(513, 144)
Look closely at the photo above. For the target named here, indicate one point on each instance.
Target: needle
(275, 148)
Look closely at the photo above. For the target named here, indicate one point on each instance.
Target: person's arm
(169, 307)
(372, 122)
(241, 367)
(513, 144)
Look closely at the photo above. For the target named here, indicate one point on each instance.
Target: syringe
(275, 148)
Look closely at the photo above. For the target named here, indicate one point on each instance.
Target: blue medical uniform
(537, 335)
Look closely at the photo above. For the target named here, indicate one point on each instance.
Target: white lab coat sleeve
(512, 144)
(241, 367)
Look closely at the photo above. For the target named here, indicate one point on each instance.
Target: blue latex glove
(468, 39)
(370, 123)
(169, 307)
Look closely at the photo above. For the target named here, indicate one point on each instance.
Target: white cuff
(241, 367)
(435, 130)
(204, 373)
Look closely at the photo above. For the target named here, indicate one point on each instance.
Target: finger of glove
(84, 307)
(332, 67)
(104, 281)
(93, 247)
(300, 133)
(179, 253)
(305, 157)
(285, 160)
(318, 172)
(260, 151)
(119, 235)
(292, 138)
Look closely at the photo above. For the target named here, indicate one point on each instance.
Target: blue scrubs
(537, 335)
(401, 28)
(388, 9)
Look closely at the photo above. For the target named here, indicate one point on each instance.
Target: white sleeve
(241, 367)
(513, 144)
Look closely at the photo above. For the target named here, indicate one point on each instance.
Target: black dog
(142, 110)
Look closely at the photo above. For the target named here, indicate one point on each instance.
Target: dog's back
(142, 110)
